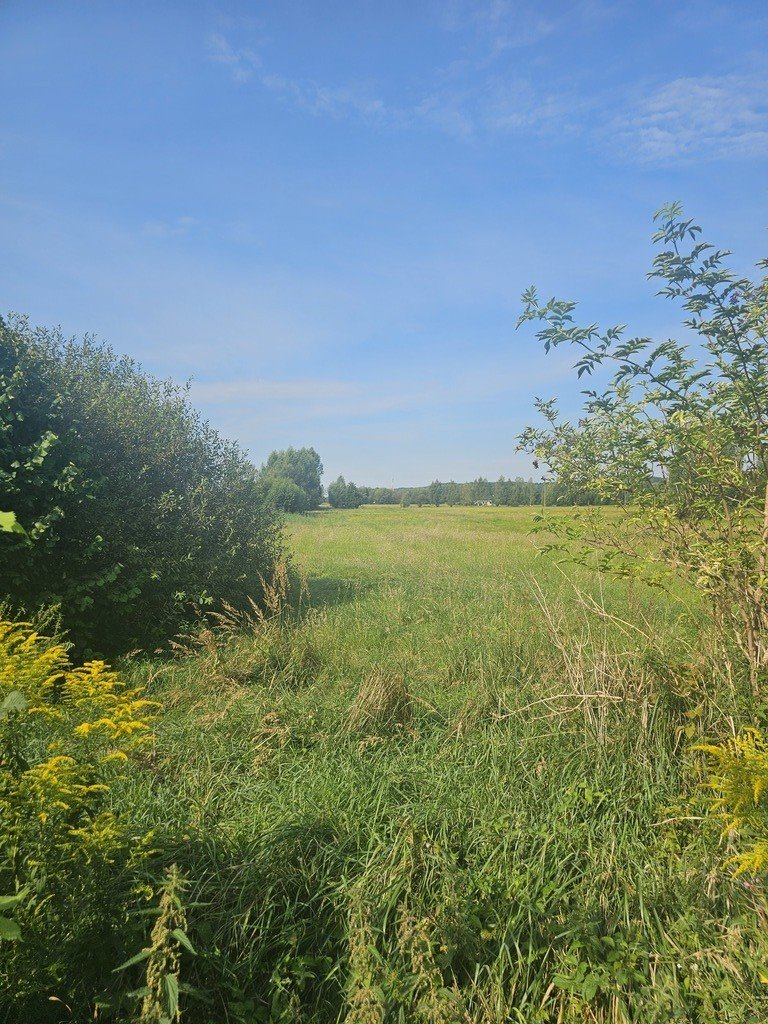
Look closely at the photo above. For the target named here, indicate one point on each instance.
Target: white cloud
(296, 390)
(459, 109)
(241, 63)
(168, 228)
(702, 117)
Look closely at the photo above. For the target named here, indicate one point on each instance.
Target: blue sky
(325, 212)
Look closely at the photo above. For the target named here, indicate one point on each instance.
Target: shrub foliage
(678, 437)
(135, 508)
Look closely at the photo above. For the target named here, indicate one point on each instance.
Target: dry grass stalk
(382, 703)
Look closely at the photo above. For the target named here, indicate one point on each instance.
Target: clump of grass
(382, 704)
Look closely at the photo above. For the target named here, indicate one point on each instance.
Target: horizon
(325, 215)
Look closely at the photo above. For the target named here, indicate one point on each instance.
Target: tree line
(504, 491)
(292, 482)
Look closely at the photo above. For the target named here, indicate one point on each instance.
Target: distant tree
(435, 491)
(503, 491)
(302, 466)
(343, 495)
(467, 494)
(482, 490)
(286, 496)
(452, 493)
(383, 496)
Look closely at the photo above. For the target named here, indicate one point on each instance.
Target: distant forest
(518, 491)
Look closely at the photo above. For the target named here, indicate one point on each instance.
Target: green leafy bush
(678, 438)
(135, 507)
(344, 495)
(738, 781)
(287, 496)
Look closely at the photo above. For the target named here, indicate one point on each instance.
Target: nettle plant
(678, 438)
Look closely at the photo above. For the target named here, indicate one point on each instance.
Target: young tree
(436, 490)
(302, 466)
(343, 495)
(678, 439)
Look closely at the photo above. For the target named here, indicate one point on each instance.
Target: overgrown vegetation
(68, 856)
(136, 510)
(455, 787)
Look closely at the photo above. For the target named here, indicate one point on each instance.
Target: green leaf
(14, 701)
(179, 935)
(171, 986)
(9, 929)
(133, 960)
(9, 524)
(11, 901)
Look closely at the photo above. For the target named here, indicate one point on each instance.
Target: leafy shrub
(135, 507)
(678, 437)
(344, 495)
(287, 496)
(64, 733)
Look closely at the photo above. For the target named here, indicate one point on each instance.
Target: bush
(136, 509)
(678, 437)
(285, 495)
(738, 779)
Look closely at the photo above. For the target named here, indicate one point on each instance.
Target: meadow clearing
(455, 785)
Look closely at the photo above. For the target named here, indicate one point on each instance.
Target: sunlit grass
(451, 789)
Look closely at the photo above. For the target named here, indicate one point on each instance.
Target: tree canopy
(301, 466)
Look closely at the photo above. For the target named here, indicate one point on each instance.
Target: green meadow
(449, 780)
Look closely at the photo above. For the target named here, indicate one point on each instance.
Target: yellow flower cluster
(739, 781)
(60, 730)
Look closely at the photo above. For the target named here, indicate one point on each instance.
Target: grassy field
(454, 787)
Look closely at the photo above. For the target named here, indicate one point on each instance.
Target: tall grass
(455, 788)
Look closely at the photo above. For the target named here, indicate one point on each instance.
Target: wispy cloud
(456, 106)
(703, 117)
(168, 228)
(295, 390)
(504, 24)
(241, 62)
(696, 117)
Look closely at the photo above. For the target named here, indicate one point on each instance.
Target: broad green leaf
(11, 901)
(9, 523)
(179, 935)
(14, 701)
(171, 985)
(9, 930)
